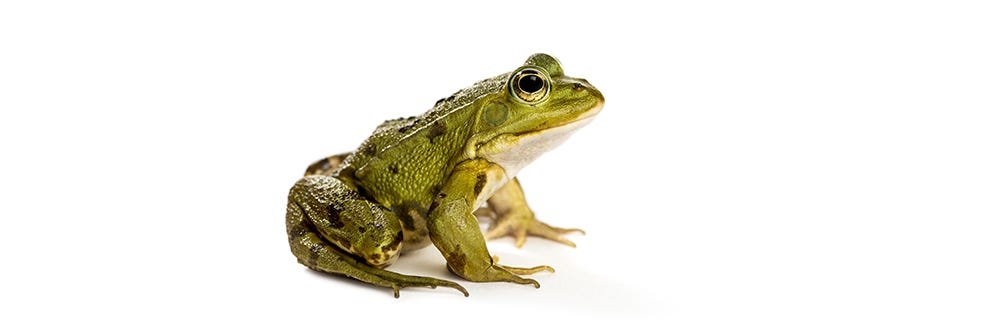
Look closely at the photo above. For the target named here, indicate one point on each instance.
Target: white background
(769, 166)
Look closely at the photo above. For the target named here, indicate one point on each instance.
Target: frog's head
(538, 109)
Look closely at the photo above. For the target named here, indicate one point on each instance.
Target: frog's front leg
(512, 216)
(333, 229)
(455, 231)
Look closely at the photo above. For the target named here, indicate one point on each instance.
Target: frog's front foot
(496, 272)
(523, 223)
(513, 217)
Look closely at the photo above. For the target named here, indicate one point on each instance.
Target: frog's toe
(521, 228)
(522, 270)
(552, 233)
(503, 228)
(415, 281)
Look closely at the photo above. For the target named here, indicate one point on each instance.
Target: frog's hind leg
(321, 256)
(332, 229)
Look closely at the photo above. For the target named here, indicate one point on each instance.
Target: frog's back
(405, 158)
(385, 135)
(391, 134)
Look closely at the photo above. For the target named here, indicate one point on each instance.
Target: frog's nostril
(577, 86)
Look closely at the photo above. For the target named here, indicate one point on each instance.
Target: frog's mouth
(561, 130)
(567, 127)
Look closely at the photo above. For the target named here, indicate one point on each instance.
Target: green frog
(423, 180)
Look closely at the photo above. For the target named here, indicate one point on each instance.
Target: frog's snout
(583, 84)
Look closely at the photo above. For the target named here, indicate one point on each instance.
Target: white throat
(529, 146)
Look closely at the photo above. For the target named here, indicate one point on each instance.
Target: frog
(425, 179)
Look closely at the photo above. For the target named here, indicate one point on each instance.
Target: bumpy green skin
(418, 181)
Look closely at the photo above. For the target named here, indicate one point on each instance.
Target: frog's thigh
(310, 243)
(343, 218)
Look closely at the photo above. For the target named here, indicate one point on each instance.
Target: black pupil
(530, 83)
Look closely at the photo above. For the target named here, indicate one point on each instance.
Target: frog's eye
(529, 85)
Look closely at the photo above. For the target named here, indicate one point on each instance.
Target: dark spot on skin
(297, 230)
(457, 260)
(437, 129)
(370, 149)
(314, 254)
(316, 248)
(394, 244)
(442, 195)
(439, 102)
(406, 128)
(393, 169)
(577, 86)
(480, 183)
(307, 226)
(361, 229)
(333, 215)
